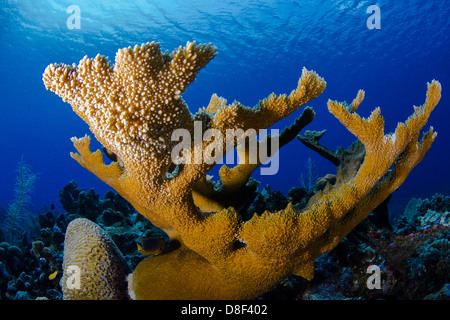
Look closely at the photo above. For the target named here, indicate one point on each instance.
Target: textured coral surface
(91, 256)
(133, 107)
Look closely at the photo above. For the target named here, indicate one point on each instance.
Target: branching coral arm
(235, 181)
(271, 109)
(412, 156)
(287, 226)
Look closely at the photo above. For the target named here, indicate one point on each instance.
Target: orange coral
(133, 108)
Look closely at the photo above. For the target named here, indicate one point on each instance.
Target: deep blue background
(262, 47)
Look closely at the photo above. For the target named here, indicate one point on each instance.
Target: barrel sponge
(93, 255)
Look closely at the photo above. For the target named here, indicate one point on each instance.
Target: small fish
(53, 275)
(151, 245)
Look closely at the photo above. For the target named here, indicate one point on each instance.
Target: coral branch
(311, 140)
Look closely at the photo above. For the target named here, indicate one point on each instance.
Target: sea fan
(308, 180)
(17, 211)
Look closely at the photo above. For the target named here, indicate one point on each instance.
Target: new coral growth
(18, 210)
(134, 107)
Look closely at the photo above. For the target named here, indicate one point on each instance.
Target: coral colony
(215, 252)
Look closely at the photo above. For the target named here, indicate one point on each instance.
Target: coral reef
(134, 107)
(25, 269)
(438, 203)
(267, 200)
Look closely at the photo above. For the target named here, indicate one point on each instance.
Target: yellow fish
(53, 275)
(151, 245)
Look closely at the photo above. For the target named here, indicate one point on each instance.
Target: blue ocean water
(262, 47)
